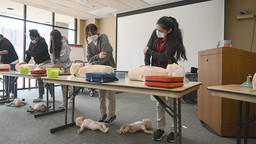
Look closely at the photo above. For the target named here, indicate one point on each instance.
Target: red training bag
(164, 81)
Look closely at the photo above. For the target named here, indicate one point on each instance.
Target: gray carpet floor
(19, 127)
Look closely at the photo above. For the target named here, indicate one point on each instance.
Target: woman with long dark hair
(60, 55)
(165, 46)
(99, 51)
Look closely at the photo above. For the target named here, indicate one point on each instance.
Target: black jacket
(155, 56)
(152, 54)
(5, 44)
(39, 52)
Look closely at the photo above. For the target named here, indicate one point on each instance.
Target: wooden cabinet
(220, 66)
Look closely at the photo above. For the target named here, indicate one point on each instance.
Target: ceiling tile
(92, 4)
(115, 4)
(135, 3)
(72, 5)
(80, 10)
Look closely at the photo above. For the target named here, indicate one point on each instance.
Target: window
(69, 34)
(39, 15)
(64, 21)
(66, 25)
(13, 30)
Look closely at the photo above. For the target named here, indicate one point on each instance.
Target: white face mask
(94, 37)
(159, 34)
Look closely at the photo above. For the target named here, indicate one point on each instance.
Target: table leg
(66, 105)
(247, 109)
(179, 120)
(175, 119)
(15, 87)
(73, 104)
(165, 106)
(62, 127)
(47, 97)
(47, 104)
(3, 86)
(239, 122)
(53, 96)
(66, 113)
(6, 97)
(8, 88)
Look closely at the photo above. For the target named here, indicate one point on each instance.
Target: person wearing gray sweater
(60, 55)
(99, 52)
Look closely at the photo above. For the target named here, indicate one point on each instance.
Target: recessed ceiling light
(153, 1)
(102, 11)
(10, 8)
(82, 1)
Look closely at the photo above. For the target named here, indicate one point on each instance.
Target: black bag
(101, 77)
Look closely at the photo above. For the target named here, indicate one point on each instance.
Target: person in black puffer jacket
(38, 49)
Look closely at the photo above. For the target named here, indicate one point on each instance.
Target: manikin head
(147, 123)
(79, 120)
(17, 103)
(43, 108)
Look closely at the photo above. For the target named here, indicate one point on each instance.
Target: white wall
(202, 25)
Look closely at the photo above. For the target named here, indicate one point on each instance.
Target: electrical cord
(253, 33)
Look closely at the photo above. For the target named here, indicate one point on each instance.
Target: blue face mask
(94, 37)
(33, 41)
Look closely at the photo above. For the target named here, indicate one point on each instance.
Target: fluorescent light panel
(102, 11)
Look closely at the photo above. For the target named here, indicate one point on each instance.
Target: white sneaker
(70, 105)
(51, 100)
(62, 105)
(37, 100)
(12, 96)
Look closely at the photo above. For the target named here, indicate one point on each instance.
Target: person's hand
(102, 55)
(145, 49)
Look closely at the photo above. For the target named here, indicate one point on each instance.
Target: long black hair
(175, 49)
(92, 28)
(57, 41)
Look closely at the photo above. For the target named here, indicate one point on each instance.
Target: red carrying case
(38, 71)
(164, 81)
(4, 69)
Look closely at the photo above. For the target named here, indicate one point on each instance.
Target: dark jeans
(41, 83)
(13, 83)
(41, 88)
